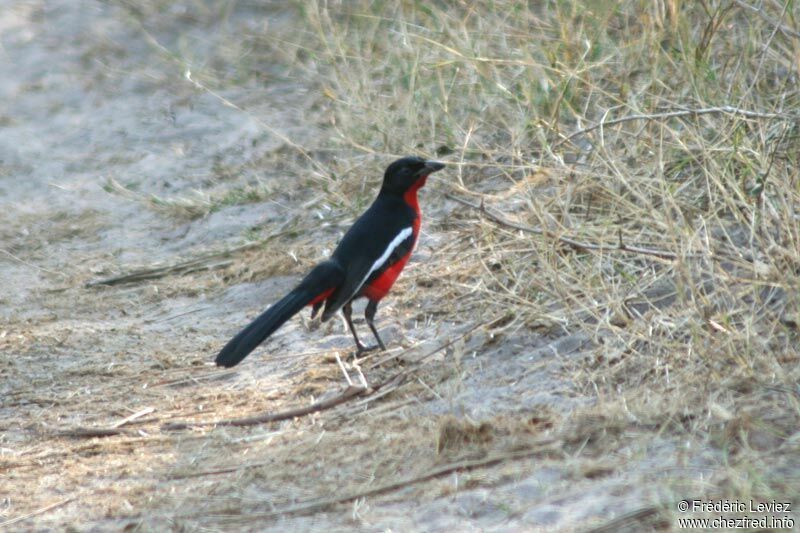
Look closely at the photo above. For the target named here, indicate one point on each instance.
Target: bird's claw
(362, 350)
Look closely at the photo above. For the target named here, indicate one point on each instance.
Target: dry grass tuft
(455, 434)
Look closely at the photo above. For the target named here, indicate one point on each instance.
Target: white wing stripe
(403, 235)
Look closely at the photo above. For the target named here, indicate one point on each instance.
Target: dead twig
(218, 471)
(206, 262)
(313, 506)
(726, 109)
(110, 431)
(188, 380)
(36, 512)
(134, 416)
(88, 433)
(578, 245)
(349, 392)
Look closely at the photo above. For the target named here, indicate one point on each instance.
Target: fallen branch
(350, 392)
(313, 506)
(36, 513)
(578, 245)
(726, 109)
(216, 376)
(218, 471)
(206, 262)
(88, 433)
(110, 431)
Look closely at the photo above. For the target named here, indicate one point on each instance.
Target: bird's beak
(430, 167)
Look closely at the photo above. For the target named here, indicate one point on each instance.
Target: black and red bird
(366, 263)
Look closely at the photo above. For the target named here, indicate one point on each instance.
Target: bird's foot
(363, 350)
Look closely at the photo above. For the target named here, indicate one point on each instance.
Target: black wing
(377, 237)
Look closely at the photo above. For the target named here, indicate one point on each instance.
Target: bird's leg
(369, 315)
(347, 311)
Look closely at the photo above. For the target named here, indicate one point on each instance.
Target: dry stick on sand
(218, 471)
(134, 416)
(36, 513)
(206, 262)
(621, 247)
(209, 261)
(89, 433)
(349, 393)
(313, 506)
(114, 429)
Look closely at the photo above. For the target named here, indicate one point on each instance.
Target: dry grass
(666, 125)
(702, 347)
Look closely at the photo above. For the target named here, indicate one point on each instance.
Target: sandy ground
(95, 122)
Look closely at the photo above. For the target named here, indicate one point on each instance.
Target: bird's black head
(408, 174)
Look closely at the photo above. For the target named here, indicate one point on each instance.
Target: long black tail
(322, 278)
